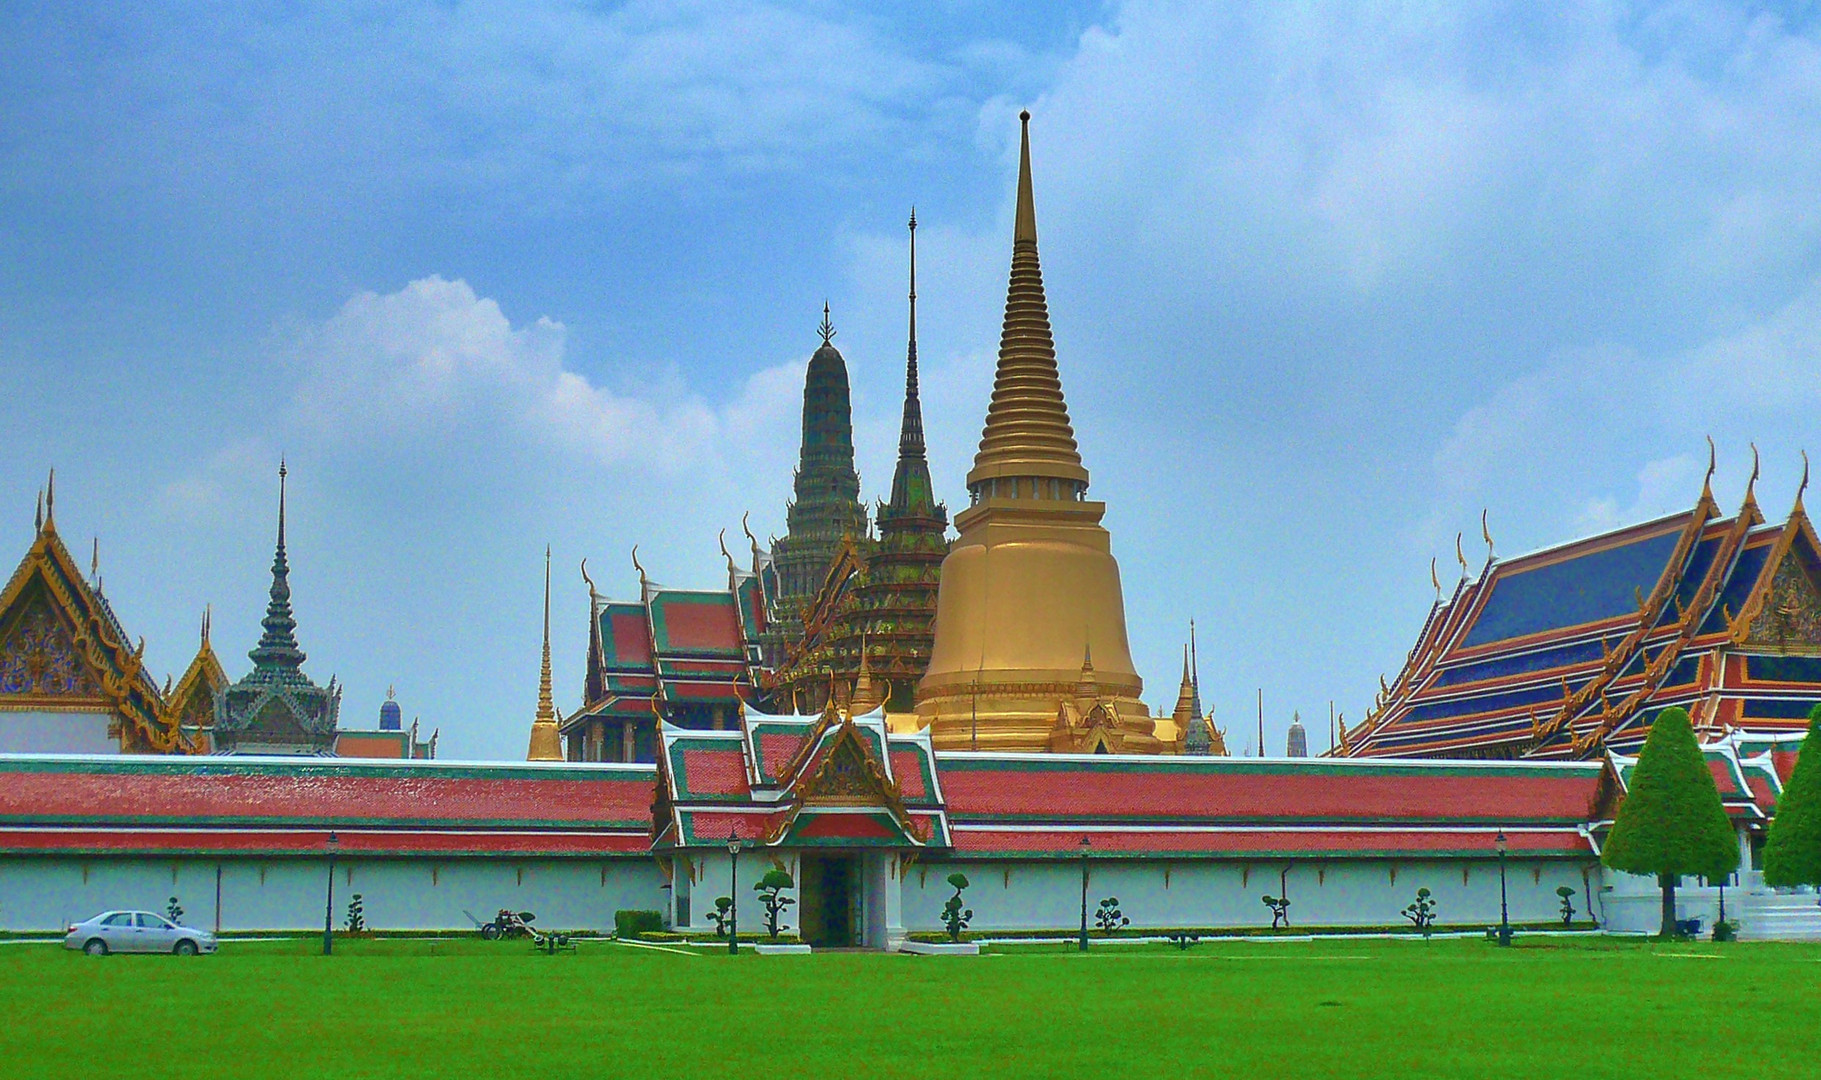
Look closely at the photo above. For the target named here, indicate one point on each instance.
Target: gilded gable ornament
(1791, 615)
(40, 658)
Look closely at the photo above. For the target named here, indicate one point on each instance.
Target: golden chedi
(1030, 591)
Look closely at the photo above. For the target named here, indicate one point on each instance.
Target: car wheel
(185, 947)
(95, 947)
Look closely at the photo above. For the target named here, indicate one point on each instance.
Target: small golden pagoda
(546, 737)
(1030, 589)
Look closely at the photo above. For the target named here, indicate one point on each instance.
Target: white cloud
(433, 360)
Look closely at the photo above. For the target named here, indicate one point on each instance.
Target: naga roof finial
(643, 580)
(1486, 532)
(1753, 481)
(1459, 555)
(1707, 491)
(732, 570)
(594, 594)
(1435, 580)
(1803, 486)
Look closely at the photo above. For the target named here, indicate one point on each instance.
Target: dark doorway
(830, 902)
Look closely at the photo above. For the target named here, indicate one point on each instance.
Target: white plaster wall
(1633, 903)
(56, 733)
(42, 894)
(1208, 893)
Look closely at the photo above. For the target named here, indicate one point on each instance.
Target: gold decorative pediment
(1788, 615)
(41, 661)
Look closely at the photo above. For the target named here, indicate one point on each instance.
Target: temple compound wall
(868, 822)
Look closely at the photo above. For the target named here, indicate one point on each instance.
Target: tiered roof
(673, 652)
(833, 780)
(1570, 651)
(62, 647)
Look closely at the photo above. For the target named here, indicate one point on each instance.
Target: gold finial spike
(38, 513)
(1707, 491)
(643, 580)
(206, 612)
(1459, 555)
(1435, 580)
(50, 502)
(1803, 486)
(1753, 481)
(546, 708)
(827, 329)
(391, 693)
(95, 558)
(1024, 230)
(1486, 532)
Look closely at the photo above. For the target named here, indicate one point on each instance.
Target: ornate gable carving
(1787, 615)
(39, 657)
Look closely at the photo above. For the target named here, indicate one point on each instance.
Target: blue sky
(1326, 282)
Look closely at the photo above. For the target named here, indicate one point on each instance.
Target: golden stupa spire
(546, 741)
(1027, 425)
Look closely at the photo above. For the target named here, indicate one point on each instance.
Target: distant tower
(1299, 739)
(276, 709)
(826, 502)
(1198, 737)
(546, 740)
(391, 718)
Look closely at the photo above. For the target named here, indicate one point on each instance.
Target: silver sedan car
(137, 931)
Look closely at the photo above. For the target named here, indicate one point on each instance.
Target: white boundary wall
(40, 894)
(1157, 893)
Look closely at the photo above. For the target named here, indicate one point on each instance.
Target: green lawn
(1572, 1007)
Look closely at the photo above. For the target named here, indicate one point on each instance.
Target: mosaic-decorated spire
(277, 652)
(546, 741)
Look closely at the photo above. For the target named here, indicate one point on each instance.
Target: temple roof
(61, 643)
(1569, 651)
(254, 805)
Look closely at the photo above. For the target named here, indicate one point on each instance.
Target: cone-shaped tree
(1671, 822)
(1792, 855)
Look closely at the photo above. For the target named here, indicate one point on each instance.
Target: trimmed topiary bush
(1567, 910)
(1109, 918)
(1792, 853)
(1672, 822)
(771, 893)
(955, 916)
(630, 924)
(1421, 911)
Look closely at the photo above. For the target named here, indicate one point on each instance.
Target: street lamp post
(1085, 848)
(733, 892)
(328, 907)
(1504, 907)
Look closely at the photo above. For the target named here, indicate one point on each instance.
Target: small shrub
(1567, 895)
(1280, 910)
(771, 893)
(1183, 939)
(173, 910)
(357, 916)
(631, 923)
(721, 915)
(1726, 930)
(1421, 912)
(1109, 918)
(955, 917)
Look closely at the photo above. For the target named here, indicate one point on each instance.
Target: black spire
(912, 491)
(277, 652)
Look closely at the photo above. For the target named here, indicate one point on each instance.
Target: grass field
(1570, 1007)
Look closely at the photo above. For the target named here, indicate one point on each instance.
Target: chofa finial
(1459, 555)
(1486, 532)
(1707, 491)
(1753, 481)
(1435, 580)
(643, 580)
(1803, 486)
